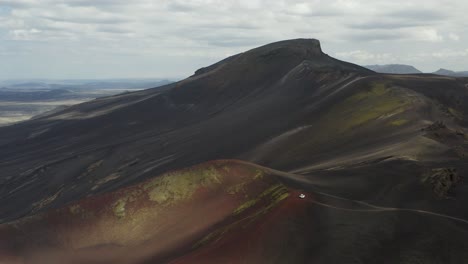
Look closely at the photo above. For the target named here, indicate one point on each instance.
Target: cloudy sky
(172, 38)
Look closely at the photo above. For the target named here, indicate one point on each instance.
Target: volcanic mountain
(281, 154)
(394, 69)
(451, 73)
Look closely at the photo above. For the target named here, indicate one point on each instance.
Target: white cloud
(365, 57)
(157, 33)
(428, 34)
(454, 36)
(446, 54)
(24, 34)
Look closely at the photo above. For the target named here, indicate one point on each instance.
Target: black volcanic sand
(244, 213)
(384, 145)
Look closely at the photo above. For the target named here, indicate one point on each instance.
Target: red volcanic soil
(258, 242)
(195, 211)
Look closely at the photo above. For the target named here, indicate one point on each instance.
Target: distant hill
(85, 84)
(451, 73)
(39, 95)
(393, 68)
(408, 69)
(21, 100)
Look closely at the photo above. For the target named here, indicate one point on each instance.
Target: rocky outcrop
(443, 181)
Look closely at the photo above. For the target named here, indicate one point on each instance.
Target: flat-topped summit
(302, 46)
(293, 48)
(285, 54)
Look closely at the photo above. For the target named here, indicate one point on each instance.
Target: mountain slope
(285, 105)
(233, 211)
(186, 205)
(164, 129)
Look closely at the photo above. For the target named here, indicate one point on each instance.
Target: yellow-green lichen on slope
(245, 206)
(119, 208)
(240, 187)
(259, 174)
(457, 114)
(275, 192)
(273, 196)
(173, 187)
(168, 188)
(376, 102)
(47, 201)
(341, 122)
(399, 122)
(129, 196)
(77, 210)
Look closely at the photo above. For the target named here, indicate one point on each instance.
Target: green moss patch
(272, 196)
(259, 174)
(399, 122)
(127, 197)
(245, 206)
(366, 106)
(344, 119)
(119, 208)
(173, 187)
(77, 210)
(241, 187)
(457, 114)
